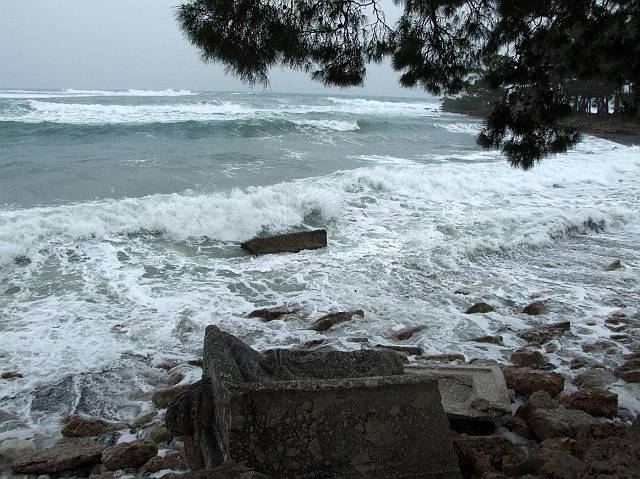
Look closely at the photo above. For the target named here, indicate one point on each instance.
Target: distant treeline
(589, 97)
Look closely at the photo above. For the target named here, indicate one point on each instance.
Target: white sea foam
(335, 125)
(471, 128)
(71, 93)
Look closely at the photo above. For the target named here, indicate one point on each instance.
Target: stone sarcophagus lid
(305, 414)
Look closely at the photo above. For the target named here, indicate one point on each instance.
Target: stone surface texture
(305, 414)
(289, 243)
(63, 456)
(128, 455)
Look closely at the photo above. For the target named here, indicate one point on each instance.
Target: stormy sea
(122, 214)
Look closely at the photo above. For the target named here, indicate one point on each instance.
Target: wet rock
(159, 434)
(408, 350)
(597, 346)
(11, 375)
(446, 358)
(577, 363)
(269, 314)
(543, 367)
(549, 464)
(629, 371)
(143, 419)
(538, 400)
(489, 339)
(79, 426)
(525, 382)
(546, 333)
(551, 348)
(162, 397)
(595, 432)
(175, 378)
(287, 243)
(407, 333)
(480, 308)
(14, 448)
(616, 457)
(536, 308)
(548, 423)
(526, 357)
(22, 261)
(563, 444)
(595, 378)
(596, 402)
(326, 322)
(174, 460)
(65, 455)
(463, 291)
(518, 425)
(358, 340)
(614, 265)
(128, 454)
(479, 456)
(12, 290)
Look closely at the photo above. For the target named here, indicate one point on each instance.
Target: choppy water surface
(121, 215)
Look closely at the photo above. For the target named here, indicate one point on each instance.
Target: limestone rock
(594, 401)
(269, 314)
(63, 456)
(538, 400)
(614, 265)
(616, 457)
(480, 308)
(595, 432)
(549, 464)
(464, 290)
(482, 455)
(143, 419)
(577, 363)
(525, 382)
(162, 397)
(596, 346)
(546, 333)
(79, 426)
(159, 434)
(447, 358)
(536, 308)
(526, 357)
(563, 444)
(11, 375)
(174, 460)
(175, 378)
(629, 371)
(408, 350)
(595, 378)
(332, 319)
(548, 423)
(128, 454)
(229, 470)
(13, 448)
(408, 332)
(289, 243)
(489, 339)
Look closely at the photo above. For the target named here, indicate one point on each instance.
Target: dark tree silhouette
(529, 51)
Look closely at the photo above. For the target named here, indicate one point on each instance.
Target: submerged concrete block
(469, 393)
(287, 243)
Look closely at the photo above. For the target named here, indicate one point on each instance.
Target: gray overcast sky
(121, 44)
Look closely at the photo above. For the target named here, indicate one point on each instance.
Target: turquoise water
(121, 215)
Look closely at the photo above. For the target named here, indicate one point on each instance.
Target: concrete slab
(473, 393)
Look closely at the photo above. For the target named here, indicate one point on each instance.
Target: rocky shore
(572, 415)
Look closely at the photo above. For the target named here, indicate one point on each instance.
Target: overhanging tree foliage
(532, 52)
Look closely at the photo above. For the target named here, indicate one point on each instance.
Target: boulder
(629, 371)
(408, 350)
(289, 243)
(614, 265)
(536, 308)
(525, 382)
(489, 339)
(174, 460)
(595, 378)
(464, 290)
(14, 448)
(65, 455)
(446, 358)
(548, 423)
(595, 432)
(175, 378)
(480, 308)
(332, 319)
(550, 464)
(479, 456)
(128, 455)
(525, 357)
(594, 401)
(159, 434)
(406, 333)
(162, 397)
(616, 457)
(597, 346)
(143, 419)
(79, 426)
(538, 400)
(11, 375)
(577, 363)
(546, 333)
(563, 444)
(269, 314)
